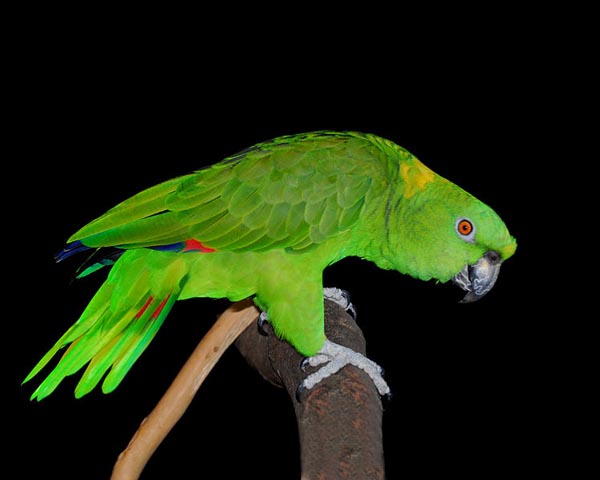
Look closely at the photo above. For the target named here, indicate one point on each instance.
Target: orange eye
(464, 227)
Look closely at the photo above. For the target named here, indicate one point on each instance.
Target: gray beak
(478, 279)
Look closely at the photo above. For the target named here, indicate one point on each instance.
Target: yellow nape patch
(509, 249)
(416, 176)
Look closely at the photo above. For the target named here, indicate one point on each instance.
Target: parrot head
(485, 241)
(478, 242)
(453, 236)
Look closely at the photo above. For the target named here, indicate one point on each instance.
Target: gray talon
(299, 390)
(304, 364)
(263, 318)
(350, 308)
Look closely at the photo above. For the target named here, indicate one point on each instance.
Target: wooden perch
(339, 420)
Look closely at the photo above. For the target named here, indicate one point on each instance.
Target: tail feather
(116, 327)
(118, 355)
(92, 314)
(102, 257)
(128, 356)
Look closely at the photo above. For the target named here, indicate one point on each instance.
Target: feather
(117, 325)
(70, 249)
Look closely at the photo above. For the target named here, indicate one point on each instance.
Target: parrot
(263, 224)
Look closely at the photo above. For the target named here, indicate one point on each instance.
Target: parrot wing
(292, 192)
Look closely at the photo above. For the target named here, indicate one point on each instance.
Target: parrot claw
(335, 357)
(263, 318)
(304, 364)
(342, 298)
(308, 362)
(299, 390)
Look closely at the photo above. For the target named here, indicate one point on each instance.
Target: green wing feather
(291, 192)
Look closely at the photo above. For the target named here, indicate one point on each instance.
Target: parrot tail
(117, 325)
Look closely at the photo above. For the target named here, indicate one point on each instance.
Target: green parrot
(264, 224)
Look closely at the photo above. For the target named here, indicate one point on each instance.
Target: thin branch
(179, 395)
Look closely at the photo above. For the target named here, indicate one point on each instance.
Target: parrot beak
(478, 279)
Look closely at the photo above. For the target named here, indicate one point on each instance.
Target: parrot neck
(371, 240)
(381, 239)
(395, 253)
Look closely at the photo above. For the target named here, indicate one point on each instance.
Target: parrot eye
(465, 229)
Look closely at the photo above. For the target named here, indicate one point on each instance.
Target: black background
(97, 120)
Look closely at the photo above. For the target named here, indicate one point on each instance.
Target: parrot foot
(335, 357)
(342, 298)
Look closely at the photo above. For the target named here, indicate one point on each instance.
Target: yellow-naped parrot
(264, 224)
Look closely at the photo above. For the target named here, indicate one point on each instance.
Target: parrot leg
(332, 357)
(335, 357)
(336, 295)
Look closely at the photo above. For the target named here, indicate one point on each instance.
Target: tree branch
(340, 419)
(155, 427)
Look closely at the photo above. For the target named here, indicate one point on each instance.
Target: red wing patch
(194, 245)
(191, 245)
